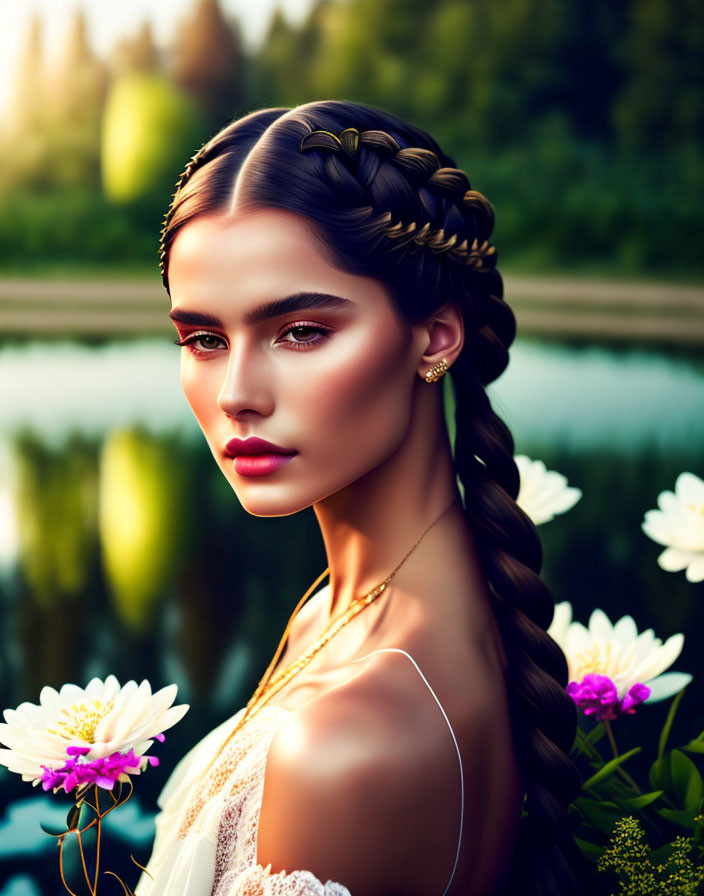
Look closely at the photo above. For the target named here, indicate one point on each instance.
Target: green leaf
(694, 746)
(639, 802)
(590, 850)
(662, 855)
(683, 817)
(687, 783)
(665, 733)
(73, 817)
(609, 768)
(596, 734)
(601, 815)
(52, 831)
(659, 775)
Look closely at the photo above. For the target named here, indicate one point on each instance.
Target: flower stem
(61, 866)
(97, 842)
(83, 861)
(612, 740)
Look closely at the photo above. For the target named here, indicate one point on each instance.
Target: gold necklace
(263, 693)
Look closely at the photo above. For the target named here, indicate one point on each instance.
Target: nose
(246, 388)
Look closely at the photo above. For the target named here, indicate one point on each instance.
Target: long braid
(544, 717)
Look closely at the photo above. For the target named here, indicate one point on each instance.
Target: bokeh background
(121, 548)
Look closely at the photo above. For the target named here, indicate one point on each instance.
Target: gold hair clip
(437, 241)
(347, 141)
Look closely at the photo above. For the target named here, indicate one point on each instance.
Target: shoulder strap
(459, 758)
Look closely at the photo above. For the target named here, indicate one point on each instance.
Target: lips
(257, 457)
(253, 445)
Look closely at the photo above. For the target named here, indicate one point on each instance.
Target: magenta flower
(597, 696)
(78, 771)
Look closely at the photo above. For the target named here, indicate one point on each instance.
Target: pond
(195, 594)
(581, 396)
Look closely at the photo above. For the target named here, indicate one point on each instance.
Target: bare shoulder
(362, 784)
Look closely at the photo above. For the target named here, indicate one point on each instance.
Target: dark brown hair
(370, 197)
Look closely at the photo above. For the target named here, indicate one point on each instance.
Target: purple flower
(597, 695)
(77, 771)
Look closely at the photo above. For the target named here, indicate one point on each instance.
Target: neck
(369, 526)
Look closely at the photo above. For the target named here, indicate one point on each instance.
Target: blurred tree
(366, 51)
(29, 102)
(662, 102)
(489, 74)
(209, 62)
(76, 94)
(26, 124)
(136, 54)
(78, 85)
(277, 56)
(54, 137)
(285, 69)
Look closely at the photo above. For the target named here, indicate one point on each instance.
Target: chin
(269, 499)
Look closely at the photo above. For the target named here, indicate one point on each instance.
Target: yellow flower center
(80, 720)
(593, 659)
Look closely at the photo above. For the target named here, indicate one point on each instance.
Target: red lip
(253, 445)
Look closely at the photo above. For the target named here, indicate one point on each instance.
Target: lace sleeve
(259, 881)
(206, 832)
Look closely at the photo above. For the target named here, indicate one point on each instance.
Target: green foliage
(628, 856)
(662, 100)
(581, 121)
(611, 805)
(77, 225)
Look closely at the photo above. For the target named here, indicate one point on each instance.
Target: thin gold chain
(263, 693)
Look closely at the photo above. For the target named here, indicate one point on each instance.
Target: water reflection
(125, 551)
(583, 396)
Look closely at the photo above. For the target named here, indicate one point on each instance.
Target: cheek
(200, 386)
(361, 403)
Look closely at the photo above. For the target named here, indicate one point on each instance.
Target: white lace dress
(206, 832)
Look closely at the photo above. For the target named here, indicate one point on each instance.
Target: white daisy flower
(543, 493)
(679, 525)
(611, 667)
(94, 735)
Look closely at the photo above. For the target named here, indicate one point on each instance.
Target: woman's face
(284, 347)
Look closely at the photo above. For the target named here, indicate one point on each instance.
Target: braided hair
(390, 204)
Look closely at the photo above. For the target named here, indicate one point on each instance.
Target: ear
(444, 338)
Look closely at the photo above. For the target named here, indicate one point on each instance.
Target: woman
(326, 266)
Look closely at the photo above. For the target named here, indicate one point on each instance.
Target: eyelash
(189, 341)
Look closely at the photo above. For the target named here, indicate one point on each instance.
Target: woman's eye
(303, 334)
(201, 343)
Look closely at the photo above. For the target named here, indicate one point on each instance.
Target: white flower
(618, 652)
(679, 524)
(103, 719)
(543, 493)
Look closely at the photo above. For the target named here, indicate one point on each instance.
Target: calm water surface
(583, 397)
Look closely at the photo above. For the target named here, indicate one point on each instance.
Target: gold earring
(436, 371)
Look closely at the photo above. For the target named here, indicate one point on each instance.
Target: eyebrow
(300, 301)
